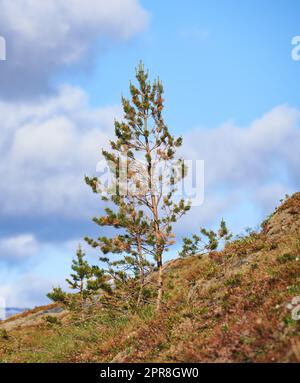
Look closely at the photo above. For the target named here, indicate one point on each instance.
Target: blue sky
(232, 91)
(219, 60)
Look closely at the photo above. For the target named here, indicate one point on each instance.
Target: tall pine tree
(145, 206)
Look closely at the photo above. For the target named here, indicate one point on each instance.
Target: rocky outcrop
(285, 219)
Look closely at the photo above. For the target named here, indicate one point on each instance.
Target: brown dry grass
(230, 306)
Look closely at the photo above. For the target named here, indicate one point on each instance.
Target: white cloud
(26, 292)
(248, 155)
(46, 148)
(18, 248)
(43, 36)
(259, 161)
(202, 216)
(269, 195)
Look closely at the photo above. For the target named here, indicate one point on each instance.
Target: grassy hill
(230, 306)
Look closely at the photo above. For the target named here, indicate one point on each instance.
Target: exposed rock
(285, 219)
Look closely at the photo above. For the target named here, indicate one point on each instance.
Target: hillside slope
(231, 306)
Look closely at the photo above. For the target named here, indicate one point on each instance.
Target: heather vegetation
(232, 305)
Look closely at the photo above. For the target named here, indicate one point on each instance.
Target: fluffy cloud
(247, 169)
(250, 158)
(25, 292)
(18, 248)
(44, 36)
(205, 215)
(45, 149)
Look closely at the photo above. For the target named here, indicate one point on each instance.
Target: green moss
(284, 258)
(234, 281)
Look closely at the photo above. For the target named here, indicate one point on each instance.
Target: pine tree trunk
(82, 300)
(159, 286)
(154, 209)
(142, 274)
(141, 288)
(159, 256)
(139, 300)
